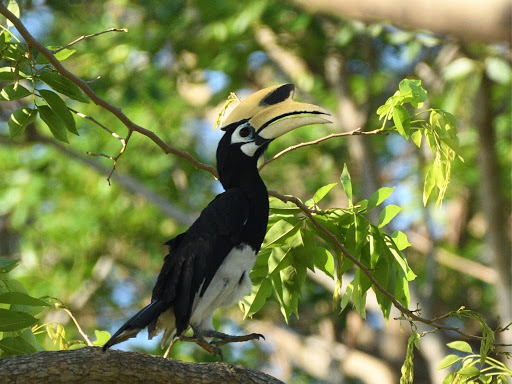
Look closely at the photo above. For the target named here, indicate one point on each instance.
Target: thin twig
(87, 36)
(101, 155)
(80, 330)
(355, 132)
(84, 116)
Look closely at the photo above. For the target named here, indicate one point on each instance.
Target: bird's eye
(244, 132)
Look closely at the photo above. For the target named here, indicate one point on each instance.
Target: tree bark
(477, 20)
(92, 365)
(493, 206)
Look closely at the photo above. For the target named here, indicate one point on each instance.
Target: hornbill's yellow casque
(208, 266)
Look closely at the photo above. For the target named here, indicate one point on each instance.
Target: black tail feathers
(139, 321)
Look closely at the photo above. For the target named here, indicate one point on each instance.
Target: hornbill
(208, 266)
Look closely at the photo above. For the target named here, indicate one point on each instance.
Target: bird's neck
(250, 182)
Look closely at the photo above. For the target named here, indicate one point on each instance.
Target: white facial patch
(245, 134)
(250, 148)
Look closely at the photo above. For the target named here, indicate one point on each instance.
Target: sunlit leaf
(448, 361)
(19, 121)
(346, 183)
(469, 370)
(322, 192)
(15, 9)
(430, 183)
(281, 231)
(400, 240)
(460, 346)
(324, 261)
(412, 92)
(11, 74)
(378, 197)
(387, 214)
(259, 295)
(101, 337)
(402, 121)
(416, 137)
(14, 92)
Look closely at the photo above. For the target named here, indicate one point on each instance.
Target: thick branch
(483, 20)
(91, 365)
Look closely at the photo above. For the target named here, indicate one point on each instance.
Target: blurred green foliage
(98, 247)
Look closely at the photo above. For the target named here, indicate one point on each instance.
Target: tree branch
(117, 112)
(405, 311)
(355, 132)
(83, 37)
(91, 365)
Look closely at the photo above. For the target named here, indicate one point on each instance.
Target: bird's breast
(230, 283)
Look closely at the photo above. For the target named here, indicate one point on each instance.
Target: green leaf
(7, 264)
(412, 92)
(416, 137)
(460, 346)
(383, 273)
(281, 231)
(279, 259)
(322, 192)
(448, 361)
(378, 197)
(101, 337)
(60, 108)
(21, 299)
(259, 295)
(429, 185)
(402, 121)
(361, 226)
(63, 85)
(387, 214)
(19, 120)
(61, 55)
(279, 207)
(15, 9)
(383, 110)
(346, 183)
(11, 74)
(14, 321)
(14, 92)
(54, 122)
(324, 261)
(400, 239)
(469, 370)
(346, 296)
(16, 346)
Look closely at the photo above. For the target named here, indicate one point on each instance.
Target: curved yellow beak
(272, 112)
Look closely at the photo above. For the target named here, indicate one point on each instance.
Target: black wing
(195, 255)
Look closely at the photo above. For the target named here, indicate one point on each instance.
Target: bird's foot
(199, 339)
(224, 338)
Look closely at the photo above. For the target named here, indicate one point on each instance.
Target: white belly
(229, 285)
